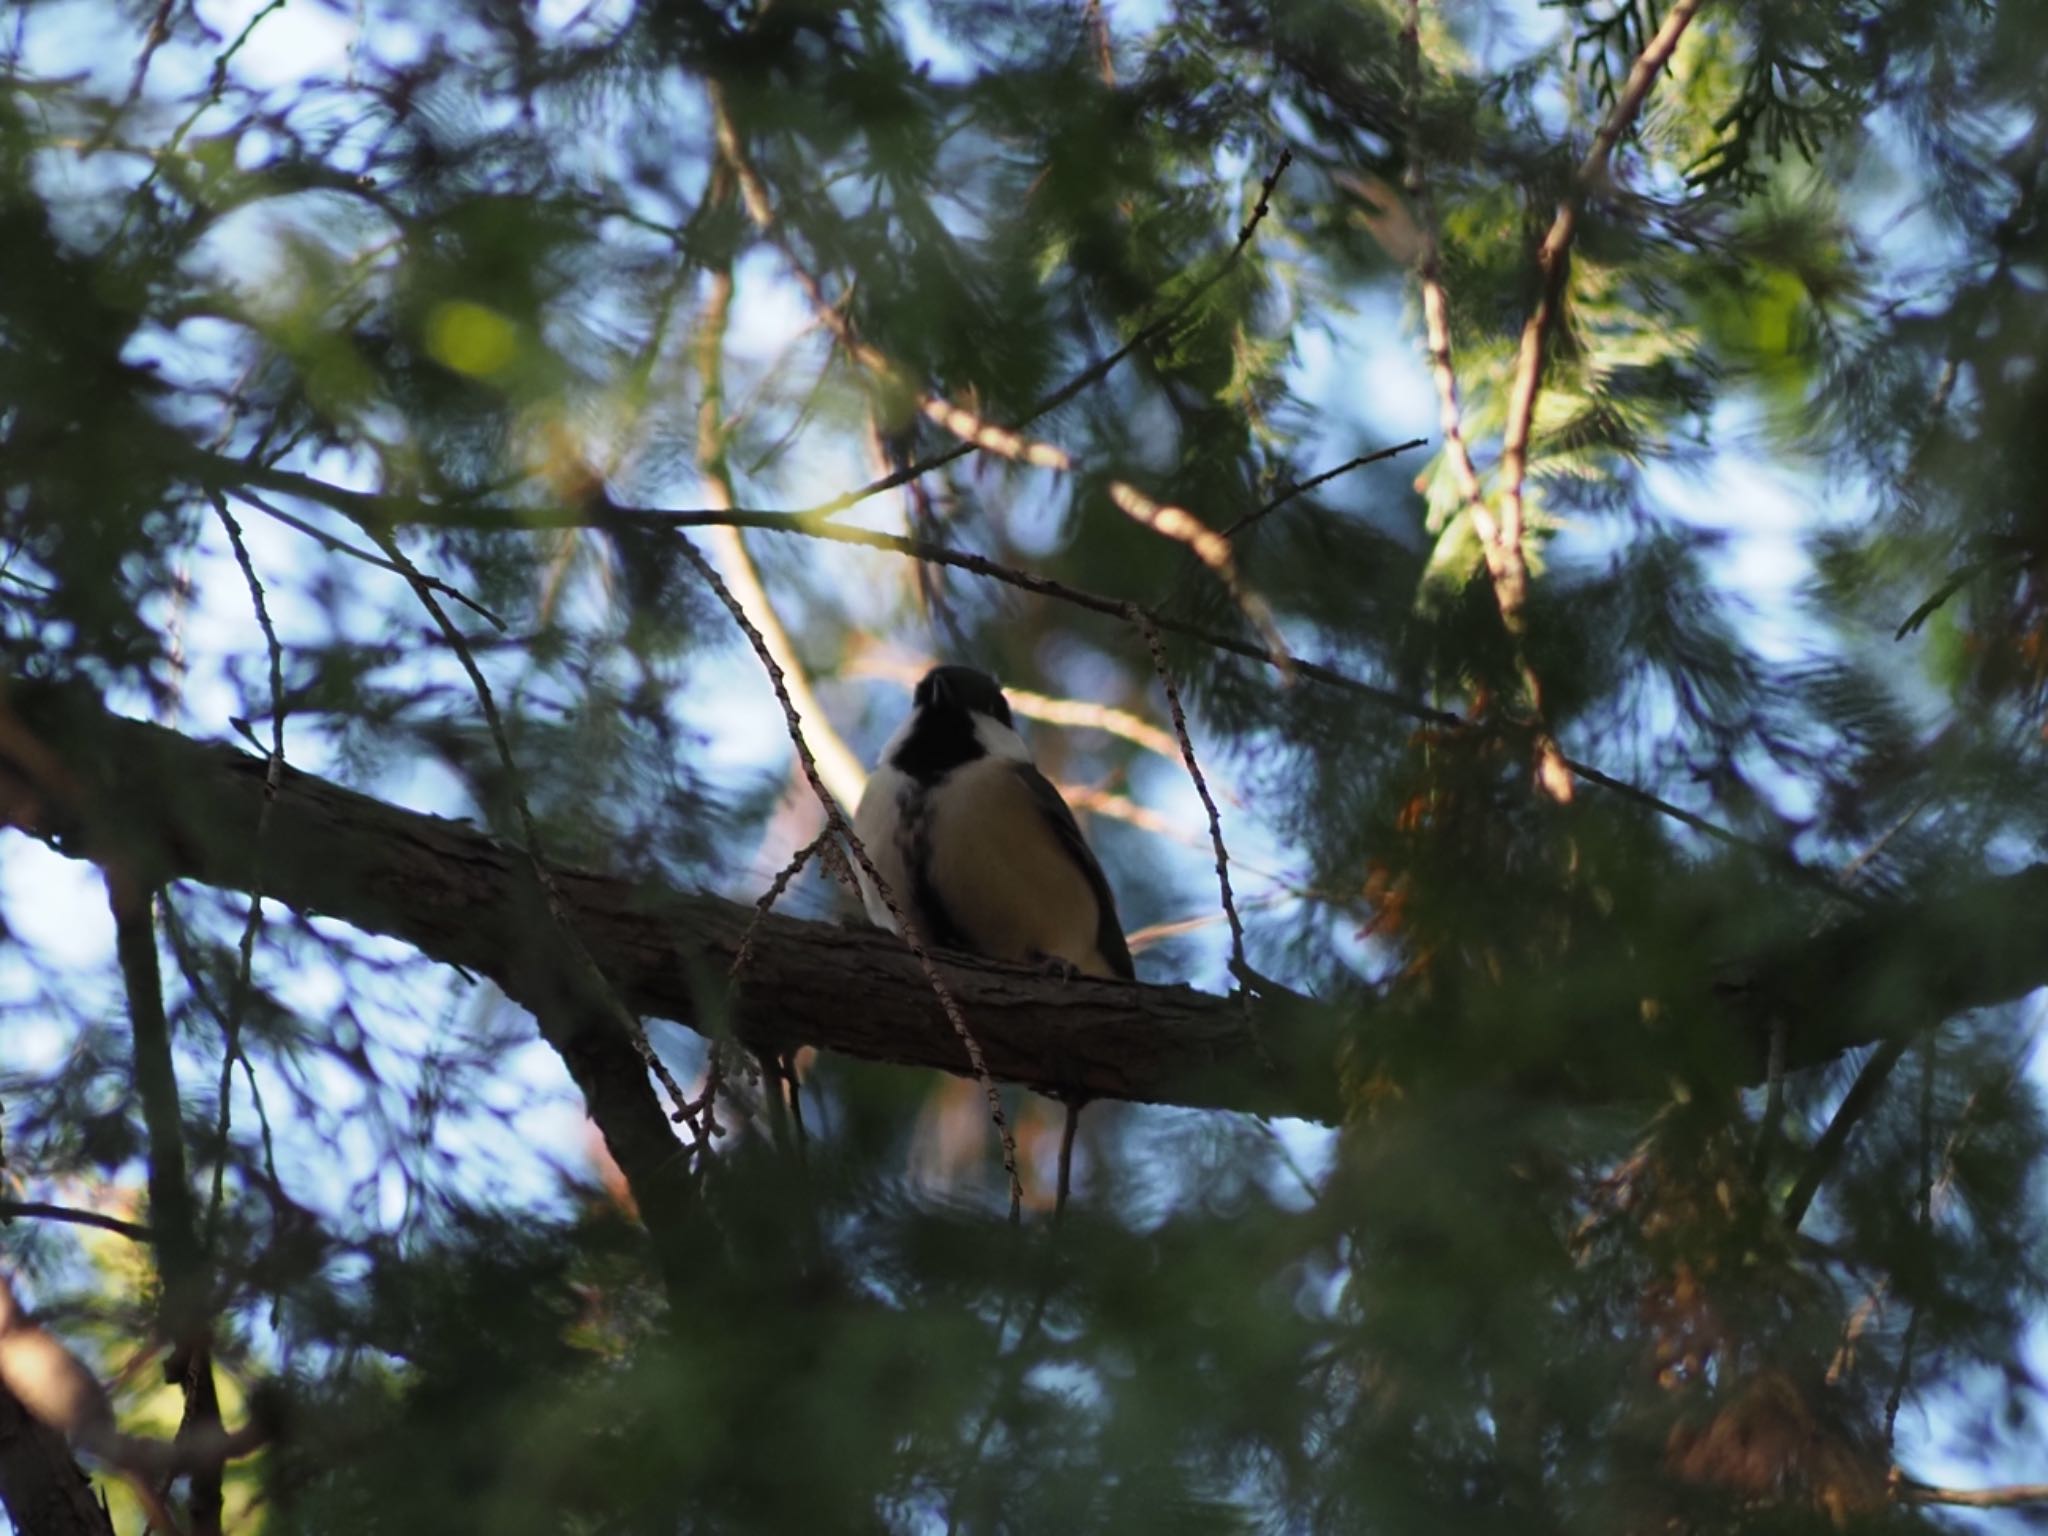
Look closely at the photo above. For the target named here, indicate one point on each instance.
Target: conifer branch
(464, 899)
(1506, 560)
(970, 426)
(397, 510)
(576, 1003)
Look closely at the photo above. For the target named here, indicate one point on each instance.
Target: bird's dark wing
(1109, 931)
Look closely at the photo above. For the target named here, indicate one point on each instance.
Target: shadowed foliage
(1601, 1098)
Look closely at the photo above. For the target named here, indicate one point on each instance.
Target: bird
(979, 849)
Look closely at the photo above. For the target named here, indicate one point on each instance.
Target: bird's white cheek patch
(998, 740)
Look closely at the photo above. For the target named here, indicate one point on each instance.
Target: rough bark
(45, 1492)
(465, 899)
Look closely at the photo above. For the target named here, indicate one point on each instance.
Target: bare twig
(396, 510)
(155, 37)
(1856, 1103)
(842, 830)
(1260, 513)
(42, 1210)
(2009, 1497)
(837, 765)
(536, 858)
(1238, 963)
(773, 894)
(1903, 1379)
(231, 1023)
(717, 1067)
(1095, 371)
(369, 557)
(970, 426)
(1774, 1100)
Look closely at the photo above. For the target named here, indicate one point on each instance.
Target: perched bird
(978, 847)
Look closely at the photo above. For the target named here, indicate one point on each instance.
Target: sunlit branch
(970, 426)
(837, 765)
(1553, 264)
(2012, 1496)
(395, 510)
(1075, 714)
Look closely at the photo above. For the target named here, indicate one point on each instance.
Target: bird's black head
(963, 688)
(940, 734)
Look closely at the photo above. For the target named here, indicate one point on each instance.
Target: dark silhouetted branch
(464, 899)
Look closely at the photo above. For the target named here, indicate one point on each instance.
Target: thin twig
(1095, 371)
(216, 86)
(843, 830)
(762, 907)
(1774, 1100)
(1903, 1379)
(1239, 965)
(558, 906)
(195, 979)
(368, 557)
(1260, 513)
(42, 1210)
(2012, 1495)
(155, 37)
(273, 774)
(1553, 264)
(394, 510)
(837, 764)
(1173, 522)
(716, 1068)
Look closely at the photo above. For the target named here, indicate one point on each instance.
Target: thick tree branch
(466, 900)
(44, 1491)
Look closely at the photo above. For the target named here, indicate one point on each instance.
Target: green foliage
(446, 298)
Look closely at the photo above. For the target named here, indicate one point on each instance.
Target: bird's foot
(1055, 965)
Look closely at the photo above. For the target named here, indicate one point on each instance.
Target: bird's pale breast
(1005, 878)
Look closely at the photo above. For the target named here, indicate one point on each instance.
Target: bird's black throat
(941, 738)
